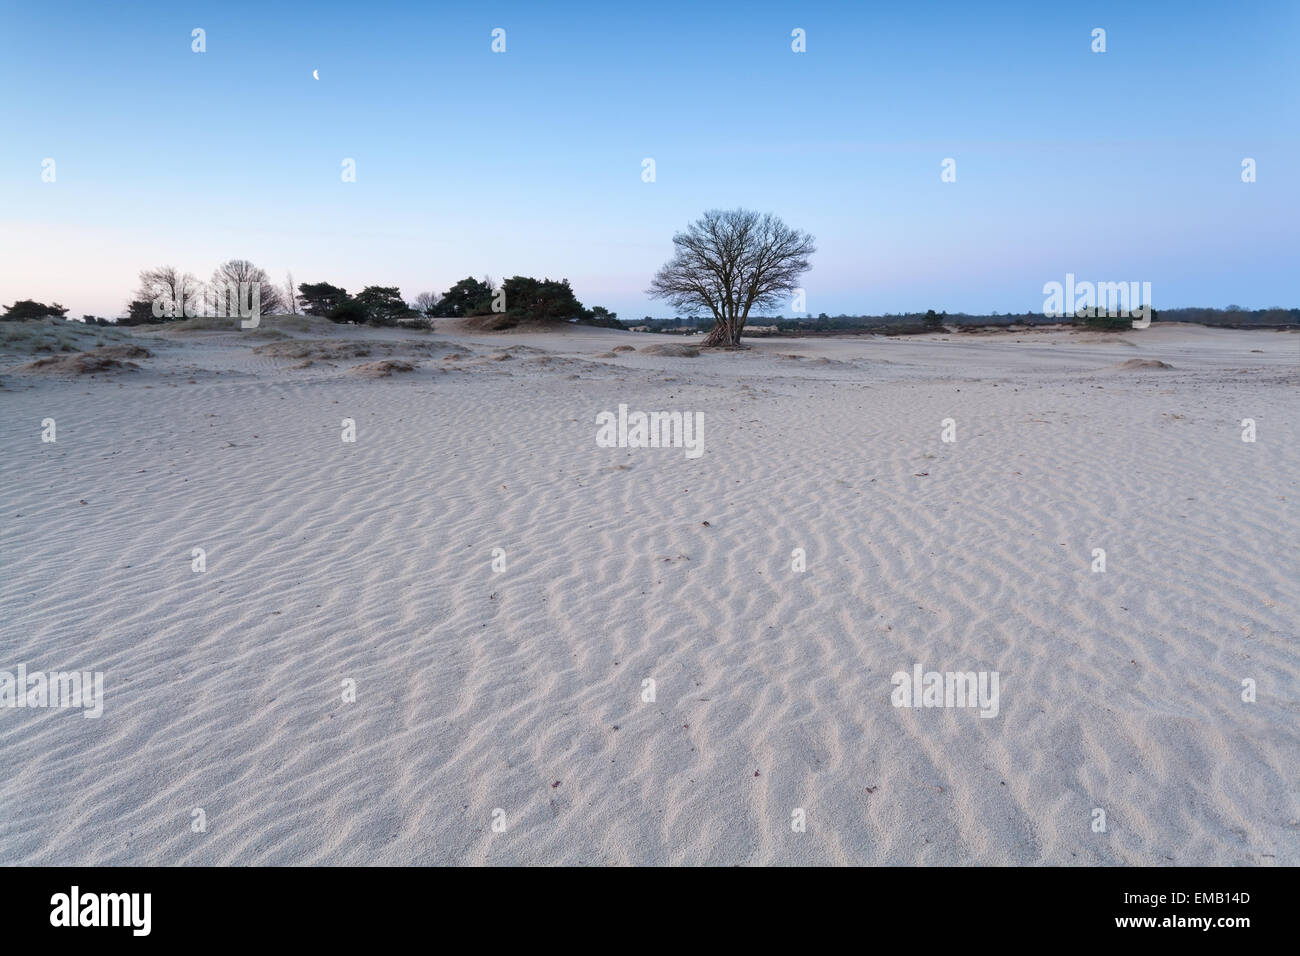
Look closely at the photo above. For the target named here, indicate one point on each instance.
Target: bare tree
(731, 261)
(168, 290)
(291, 294)
(240, 273)
(425, 302)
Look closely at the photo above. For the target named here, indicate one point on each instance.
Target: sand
(518, 696)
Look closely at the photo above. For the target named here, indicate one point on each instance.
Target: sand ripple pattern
(522, 691)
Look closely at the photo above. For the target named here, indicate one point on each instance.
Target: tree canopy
(320, 298)
(541, 300)
(729, 262)
(383, 304)
(232, 277)
(469, 296)
(31, 309)
(170, 293)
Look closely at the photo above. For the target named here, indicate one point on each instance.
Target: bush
(383, 305)
(469, 296)
(349, 310)
(321, 298)
(140, 312)
(31, 309)
(602, 322)
(1101, 321)
(601, 317)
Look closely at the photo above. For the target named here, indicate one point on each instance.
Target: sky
(1117, 166)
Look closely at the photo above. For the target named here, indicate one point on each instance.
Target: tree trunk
(719, 337)
(725, 333)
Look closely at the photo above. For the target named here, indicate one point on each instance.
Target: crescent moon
(315, 74)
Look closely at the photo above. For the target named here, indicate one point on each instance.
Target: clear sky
(1115, 166)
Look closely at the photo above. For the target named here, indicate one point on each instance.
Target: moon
(315, 74)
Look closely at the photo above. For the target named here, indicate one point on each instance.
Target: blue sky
(1122, 166)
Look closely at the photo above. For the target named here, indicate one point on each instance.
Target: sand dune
(522, 690)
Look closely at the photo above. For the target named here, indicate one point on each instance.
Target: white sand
(478, 690)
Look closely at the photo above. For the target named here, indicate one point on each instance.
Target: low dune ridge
(266, 325)
(34, 336)
(342, 349)
(315, 349)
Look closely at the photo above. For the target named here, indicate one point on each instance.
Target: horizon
(705, 320)
(1117, 166)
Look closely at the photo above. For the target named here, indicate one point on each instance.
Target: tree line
(166, 293)
(517, 299)
(728, 263)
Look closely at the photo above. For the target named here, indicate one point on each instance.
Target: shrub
(31, 309)
(350, 310)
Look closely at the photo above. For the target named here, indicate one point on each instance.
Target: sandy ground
(519, 695)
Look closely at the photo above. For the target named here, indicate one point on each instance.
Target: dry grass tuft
(672, 349)
(382, 369)
(1144, 363)
(110, 358)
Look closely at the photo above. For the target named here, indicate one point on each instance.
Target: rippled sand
(523, 690)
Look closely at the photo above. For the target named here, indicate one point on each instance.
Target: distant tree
(383, 304)
(933, 320)
(541, 300)
(139, 312)
(171, 294)
(1102, 321)
(31, 309)
(600, 316)
(469, 296)
(321, 298)
(426, 303)
(234, 275)
(731, 261)
(290, 296)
